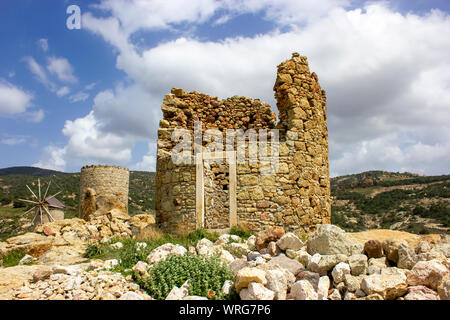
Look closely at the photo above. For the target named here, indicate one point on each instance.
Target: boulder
(322, 288)
(42, 273)
(358, 264)
(247, 275)
(227, 287)
(373, 249)
(388, 286)
(290, 241)
(330, 239)
(444, 290)
(273, 249)
(226, 256)
(339, 272)
(303, 290)
(428, 273)
(238, 264)
(162, 252)
(352, 283)
(407, 257)
(421, 293)
(256, 291)
(265, 236)
(178, 293)
(205, 247)
(325, 263)
(290, 264)
(140, 268)
(311, 277)
(27, 259)
(390, 247)
(334, 295)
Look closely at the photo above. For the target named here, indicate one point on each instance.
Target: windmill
(41, 204)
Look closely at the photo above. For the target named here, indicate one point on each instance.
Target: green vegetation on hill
(408, 202)
(13, 183)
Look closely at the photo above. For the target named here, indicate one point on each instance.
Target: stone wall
(103, 188)
(297, 197)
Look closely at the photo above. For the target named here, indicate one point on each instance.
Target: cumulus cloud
(386, 74)
(62, 69)
(53, 159)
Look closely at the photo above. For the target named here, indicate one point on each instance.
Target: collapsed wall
(297, 197)
(103, 188)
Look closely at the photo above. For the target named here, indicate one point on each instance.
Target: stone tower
(219, 195)
(103, 188)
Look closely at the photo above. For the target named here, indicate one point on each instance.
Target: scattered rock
(247, 275)
(290, 241)
(284, 262)
(339, 272)
(277, 282)
(162, 252)
(407, 257)
(178, 293)
(373, 249)
(27, 259)
(428, 273)
(358, 264)
(330, 239)
(256, 291)
(265, 236)
(117, 245)
(323, 287)
(444, 290)
(388, 286)
(303, 290)
(421, 293)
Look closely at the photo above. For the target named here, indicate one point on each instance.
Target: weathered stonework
(297, 197)
(103, 188)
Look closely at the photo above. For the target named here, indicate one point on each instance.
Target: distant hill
(13, 183)
(367, 200)
(400, 201)
(32, 171)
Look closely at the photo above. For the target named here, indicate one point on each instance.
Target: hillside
(368, 200)
(400, 201)
(12, 187)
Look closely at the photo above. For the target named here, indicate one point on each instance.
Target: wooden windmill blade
(41, 203)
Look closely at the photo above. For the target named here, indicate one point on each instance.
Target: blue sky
(74, 97)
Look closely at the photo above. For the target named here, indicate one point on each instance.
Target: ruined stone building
(213, 195)
(103, 188)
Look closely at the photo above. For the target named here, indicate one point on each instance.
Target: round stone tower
(103, 188)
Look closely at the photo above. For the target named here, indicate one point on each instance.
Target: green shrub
(12, 258)
(240, 232)
(199, 234)
(94, 251)
(203, 273)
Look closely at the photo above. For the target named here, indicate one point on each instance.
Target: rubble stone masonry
(297, 197)
(103, 188)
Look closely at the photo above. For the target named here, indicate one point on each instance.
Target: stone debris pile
(274, 265)
(85, 282)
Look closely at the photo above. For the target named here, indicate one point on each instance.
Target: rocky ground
(271, 265)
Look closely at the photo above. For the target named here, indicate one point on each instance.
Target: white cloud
(386, 74)
(39, 73)
(43, 44)
(13, 100)
(63, 91)
(62, 69)
(35, 116)
(79, 96)
(148, 162)
(14, 140)
(52, 159)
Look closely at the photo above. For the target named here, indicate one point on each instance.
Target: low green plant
(12, 258)
(203, 273)
(240, 232)
(199, 234)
